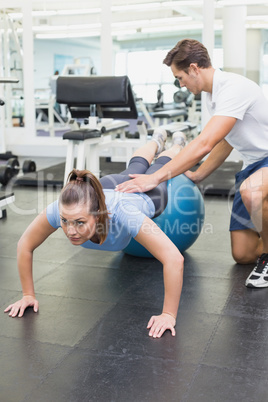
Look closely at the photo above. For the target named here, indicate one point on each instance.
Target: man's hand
(192, 176)
(195, 176)
(140, 183)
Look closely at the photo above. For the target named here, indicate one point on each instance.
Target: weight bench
(100, 100)
(165, 116)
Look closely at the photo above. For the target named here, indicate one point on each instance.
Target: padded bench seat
(170, 113)
(164, 116)
(81, 134)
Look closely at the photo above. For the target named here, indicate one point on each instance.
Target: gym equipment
(8, 168)
(5, 199)
(11, 167)
(48, 177)
(165, 116)
(99, 100)
(9, 164)
(53, 175)
(94, 98)
(182, 219)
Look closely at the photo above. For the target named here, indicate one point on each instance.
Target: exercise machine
(102, 101)
(100, 109)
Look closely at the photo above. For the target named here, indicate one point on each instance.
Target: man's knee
(242, 256)
(246, 246)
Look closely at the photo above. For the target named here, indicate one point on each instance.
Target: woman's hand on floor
(18, 308)
(158, 324)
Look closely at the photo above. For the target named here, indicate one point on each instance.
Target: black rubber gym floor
(89, 341)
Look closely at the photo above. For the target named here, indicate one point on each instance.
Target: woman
(95, 216)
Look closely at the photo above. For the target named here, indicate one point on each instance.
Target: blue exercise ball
(182, 219)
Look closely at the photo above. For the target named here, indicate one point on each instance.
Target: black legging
(139, 165)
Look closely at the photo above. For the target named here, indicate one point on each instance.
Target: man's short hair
(186, 52)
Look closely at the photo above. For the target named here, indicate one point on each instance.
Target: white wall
(44, 51)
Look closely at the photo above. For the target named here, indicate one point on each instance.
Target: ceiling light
(141, 23)
(46, 28)
(171, 20)
(130, 23)
(15, 16)
(95, 10)
(171, 28)
(257, 17)
(222, 3)
(188, 3)
(44, 13)
(126, 32)
(158, 5)
(141, 6)
(67, 35)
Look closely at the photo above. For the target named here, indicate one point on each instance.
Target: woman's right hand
(18, 308)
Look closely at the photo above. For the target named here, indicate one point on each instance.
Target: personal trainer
(239, 120)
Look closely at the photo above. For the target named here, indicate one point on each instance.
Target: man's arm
(215, 130)
(215, 159)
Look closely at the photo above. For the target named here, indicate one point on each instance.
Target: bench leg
(69, 164)
(93, 159)
(81, 156)
(3, 213)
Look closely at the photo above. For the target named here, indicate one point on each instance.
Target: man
(239, 120)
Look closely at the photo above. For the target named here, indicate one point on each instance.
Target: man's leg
(246, 246)
(254, 193)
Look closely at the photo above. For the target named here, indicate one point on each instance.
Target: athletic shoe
(179, 138)
(160, 137)
(259, 276)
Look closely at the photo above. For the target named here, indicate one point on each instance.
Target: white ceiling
(132, 18)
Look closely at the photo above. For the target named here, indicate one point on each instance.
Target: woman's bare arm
(33, 236)
(162, 248)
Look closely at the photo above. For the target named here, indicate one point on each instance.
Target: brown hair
(84, 188)
(188, 51)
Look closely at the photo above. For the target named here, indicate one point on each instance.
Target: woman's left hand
(158, 324)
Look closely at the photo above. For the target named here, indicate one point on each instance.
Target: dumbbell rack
(6, 197)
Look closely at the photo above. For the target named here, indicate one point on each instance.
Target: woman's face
(78, 225)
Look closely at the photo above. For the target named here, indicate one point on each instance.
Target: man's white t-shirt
(236, 96)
